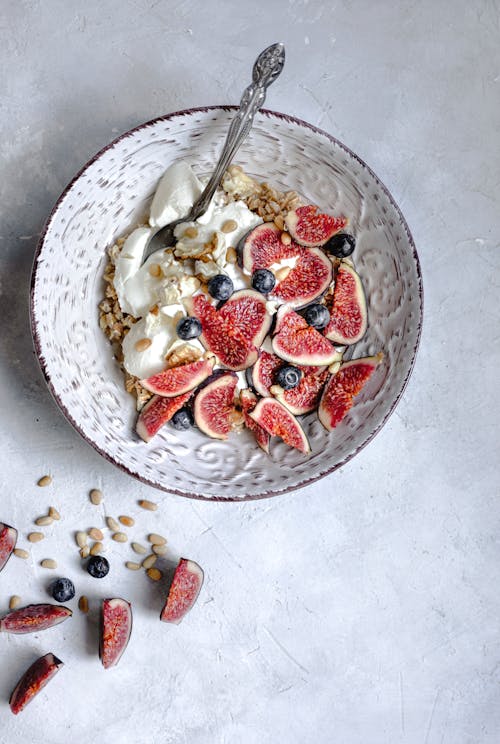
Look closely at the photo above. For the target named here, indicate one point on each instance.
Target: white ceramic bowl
(110, 194)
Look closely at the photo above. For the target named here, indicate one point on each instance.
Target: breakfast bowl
(111, 195)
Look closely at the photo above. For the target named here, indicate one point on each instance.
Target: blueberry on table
(220, 287)
(188, 328)
(317, 316)
(62, 590)
(98, 566)
(263, 280)
(288, 377)
(340, 245)
(183, 419)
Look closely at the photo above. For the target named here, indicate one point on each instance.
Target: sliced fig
(248, 402)
(183, 592)
(234, 332)
(309, 227)
(297, 342)
(116, 627)
(33, 680)
(33, 618)
(214, 405)
(309, 278)
(306, 396)
(338, 395)
(156, 413)
(179, 380)
(347, 306)
(277, 420)
(8, 539)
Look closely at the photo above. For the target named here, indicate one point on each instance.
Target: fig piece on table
(248, 401)
(214, 405)
(8, 539)
(116, 627)
(33, 618)
(297, 342)
(183, 592)
(310, 227)
(33, 680)
(179, 380)
(347, 306)
(277, 420)
(157, 412)
(338, 396)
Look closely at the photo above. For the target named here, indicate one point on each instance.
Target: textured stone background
(364, 608)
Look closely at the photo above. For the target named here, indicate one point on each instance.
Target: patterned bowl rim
(36, 334)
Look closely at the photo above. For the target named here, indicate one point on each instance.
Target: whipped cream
(168, 276)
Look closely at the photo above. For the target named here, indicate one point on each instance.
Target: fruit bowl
(111, 194)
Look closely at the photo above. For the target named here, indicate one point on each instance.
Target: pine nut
(149, 561)
(285, 238)
(138, 548)
(283, 273)
(149, 505)
(95, 496)
(231, 255)
(112, 524)
(133, 566)
(95, 534)
(83, 604)
(81, 539)
(143, 344)
(34, 537)
(85, 551)
(155, 270)
(48, 563)
(120, 537)
(279, 222)
(20, 553)
(43, 521)
(155, 539)
(127, 521)
(154, 573)
(54, 513)
(14, 602)
(229, 226)
(159, 549)
(190, 232)
(97, 548)
(45, 481)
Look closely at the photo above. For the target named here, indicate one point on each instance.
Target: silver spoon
(266, 69)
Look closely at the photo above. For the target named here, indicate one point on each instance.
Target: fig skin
(248, 401)
(33, 680)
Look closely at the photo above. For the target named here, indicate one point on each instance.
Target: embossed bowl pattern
(111, 194)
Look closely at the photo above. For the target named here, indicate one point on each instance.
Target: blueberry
(98, 566)
(220, 287)
(263, 280)
(341, 245)
(288, 377)
(62, 590)
(182, 419)
(316, 316)
(188, 328)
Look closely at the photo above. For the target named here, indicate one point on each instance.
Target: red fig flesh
(179, 380)
(248, 402)
(234, 332)
(348, 316)
(116, 627)
(301, 399)
(156, 413)
(183, 592)
(308, 279)
(309, 227)
(214, 404)
(33, 680)
(33, 618)
(338, 395)
(277, 420)
(8, 539)
(297, 342)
